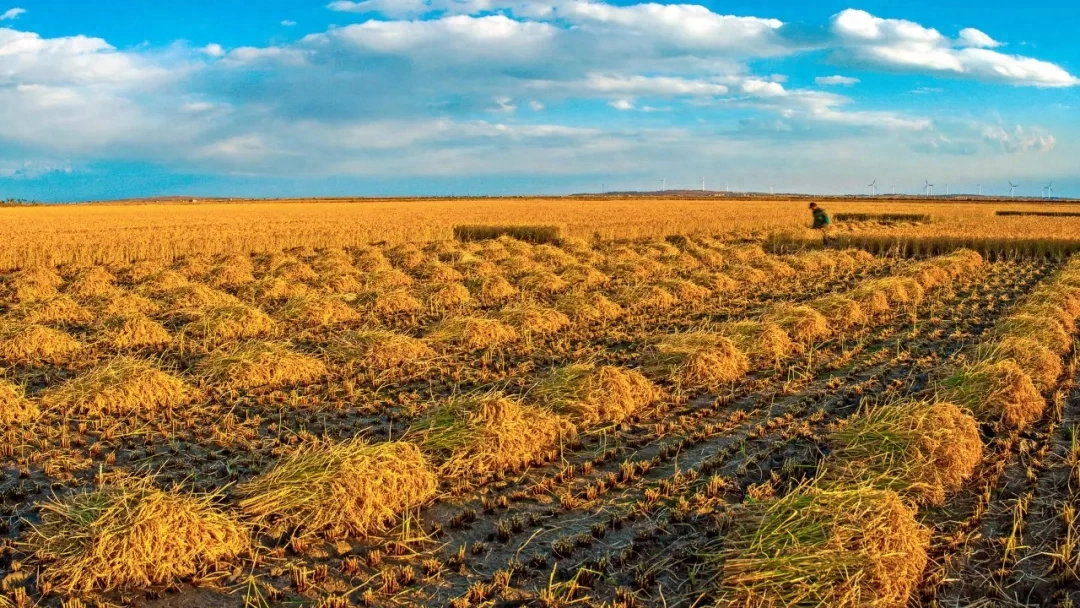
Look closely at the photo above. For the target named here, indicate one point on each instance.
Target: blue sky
(117, 99)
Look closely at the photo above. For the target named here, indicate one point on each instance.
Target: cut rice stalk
(351, 486)
(591, 308)
(921, 450)
(130, 536)
(229, 323)
(763, 342)
(135, 331)
(120, 386)
(804, 324)
(259, 364)
(474, 436)
(60, 310)
(473, 333)
(840, 312)
(1040, 363)
(381, 351)
(533, 320)
(389, 303)
(314, 311)
(696, 361)
(996, 392)
(15, 408)
(28, 344)
(843, 549)
(591, 394)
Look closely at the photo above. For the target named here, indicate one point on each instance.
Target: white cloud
(1019, 139)
(536, 106)
(972, 37)
(656, 86)
(904, 45)
(288, 23)
(829, 81)
(622, 104)
(213, 50)
(398, 9)
(505, 104)
(12, 14)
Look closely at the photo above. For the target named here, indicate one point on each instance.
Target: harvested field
(520, 417)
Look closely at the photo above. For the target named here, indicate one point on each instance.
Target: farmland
(674, 403)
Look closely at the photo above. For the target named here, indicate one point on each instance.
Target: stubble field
(693, 417)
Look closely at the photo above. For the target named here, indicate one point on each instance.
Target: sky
(281, 98)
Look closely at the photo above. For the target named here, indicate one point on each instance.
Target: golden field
(113, 233)
(679, 403)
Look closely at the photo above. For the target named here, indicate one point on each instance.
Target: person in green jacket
(822, 221)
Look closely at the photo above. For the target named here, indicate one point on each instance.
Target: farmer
(822, 222)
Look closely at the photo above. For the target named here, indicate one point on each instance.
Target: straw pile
(921, 450)
(130, 535)
(474, 436)
(229, 323)
(842, 549)
(315, 311)
(15, 408)
(135, 331)
(36, 344)
(389, 303)
(763, 342)
(996, 392)
(117, 387)
(473, 333)
(259, 364)
(380, 350)
(591, 394)
(533, 320)
(804, 324)
(351, 486)
(696, 361)
(592, 307)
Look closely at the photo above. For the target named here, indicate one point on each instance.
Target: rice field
(551, 417)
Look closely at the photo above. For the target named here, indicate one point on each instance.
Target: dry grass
(135, 331)
(351, 486)
(530, 234)
(120, 386)
(542, 282)
(315, 311)
(583, 276)
(922, 450)
(131, 535)
(591, 394)
(856, 548)
(273, 289)
(30, 344)
(15, 408)
(473, 333)
(259, 364)
(33, 284)
(1045, 330)
(473, 436)
(198, 297)
(996, 392)
(696, 361)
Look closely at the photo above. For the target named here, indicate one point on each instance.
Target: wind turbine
(1012, 187)
(663, 185)
(894, 190)
(979, 188)
(873, 188)
(1050, 190)
(929, 188)
(703, 184)
(946, 189)
(772, 189)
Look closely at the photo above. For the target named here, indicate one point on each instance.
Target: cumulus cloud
(831, 81)
(12, 13)
(444, 86)
(903, 45)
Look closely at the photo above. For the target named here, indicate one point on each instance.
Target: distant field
(126, 232)
(225, 405)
